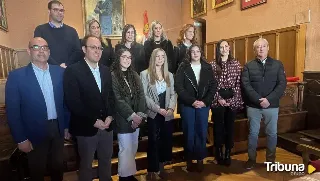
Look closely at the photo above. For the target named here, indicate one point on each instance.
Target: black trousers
(49, 151)
(159, 142)
(223, 126)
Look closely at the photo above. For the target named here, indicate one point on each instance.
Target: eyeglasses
(95, 48)
(125, 57)
(38, 48)
(58, 10)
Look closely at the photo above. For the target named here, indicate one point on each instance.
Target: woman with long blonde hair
(158, 39)
(93, 28)
(158, 85)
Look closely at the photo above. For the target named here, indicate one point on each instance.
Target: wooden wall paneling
(210, 52)
(271, 38)
(287, 47)
(286, 44)
(231, 42)
(277, 46)
(251, 54)
(240, 51)
(300, 51)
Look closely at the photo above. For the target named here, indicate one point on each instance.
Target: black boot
(219, 155)
(190, 166)
(227, 158)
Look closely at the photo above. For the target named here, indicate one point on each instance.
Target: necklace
(157, 42)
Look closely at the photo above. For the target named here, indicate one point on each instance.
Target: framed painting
(109, 13)
(198, 8)
(245, 4)
(219, 3)
(3, 16)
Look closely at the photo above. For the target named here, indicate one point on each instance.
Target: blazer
(125, 107)
(152, 98)
(84, 99)
(25, 105)
(189, 90)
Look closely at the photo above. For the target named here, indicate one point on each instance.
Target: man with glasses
(63, 40)
(36, 113)
(90, 99)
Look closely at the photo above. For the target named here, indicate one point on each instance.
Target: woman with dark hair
(93, 28)
(186, 39)
(158, 39)
(227, 100)
(160, 96)
(128, 41)
(130, 110)
(195, 86)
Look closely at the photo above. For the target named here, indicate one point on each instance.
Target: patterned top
(229, 78)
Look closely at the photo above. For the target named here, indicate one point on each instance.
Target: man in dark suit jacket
(36, 113)
(90, 98)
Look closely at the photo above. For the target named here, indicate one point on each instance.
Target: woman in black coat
(128, 41)
(158, 39)
(195, 86)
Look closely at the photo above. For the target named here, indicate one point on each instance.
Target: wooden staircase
(290, 141)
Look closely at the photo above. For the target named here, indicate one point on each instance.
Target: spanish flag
(145, 25)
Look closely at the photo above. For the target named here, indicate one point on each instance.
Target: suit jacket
(84, 99)
(25, 105)
(152, 98)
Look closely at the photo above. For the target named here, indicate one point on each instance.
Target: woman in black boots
(226, 102)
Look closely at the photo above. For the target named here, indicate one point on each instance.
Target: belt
(52, 120)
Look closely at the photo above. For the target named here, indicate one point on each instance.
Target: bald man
(36, 113)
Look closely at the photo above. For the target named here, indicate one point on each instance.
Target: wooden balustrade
(7, 61)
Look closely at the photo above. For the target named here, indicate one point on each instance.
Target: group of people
(88, 90)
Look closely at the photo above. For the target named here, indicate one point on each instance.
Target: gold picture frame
(198, 8)
(109, 13)
(3, 16)
(219, 3)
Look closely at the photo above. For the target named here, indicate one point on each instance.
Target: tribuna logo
(279, 167)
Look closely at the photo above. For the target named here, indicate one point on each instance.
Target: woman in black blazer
(93, 28)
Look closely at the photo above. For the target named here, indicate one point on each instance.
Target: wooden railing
(7, 61)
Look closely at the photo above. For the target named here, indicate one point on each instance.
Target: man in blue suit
(36, 113)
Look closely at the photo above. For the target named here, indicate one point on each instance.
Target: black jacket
(107, 56)
(179, 54)
(263, 81)
(187, 88)
(84, 99)
(167, 46)
(139, 63)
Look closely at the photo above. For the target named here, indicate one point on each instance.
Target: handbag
(226, 93)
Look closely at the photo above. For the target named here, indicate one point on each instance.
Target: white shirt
(161, 86)
(96, 74)
(196, 70)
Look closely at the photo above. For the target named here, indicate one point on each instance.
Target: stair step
(142, 162)
(289, 141)
(314, 133)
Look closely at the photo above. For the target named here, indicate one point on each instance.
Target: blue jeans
(195, 126)
(270, 117)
